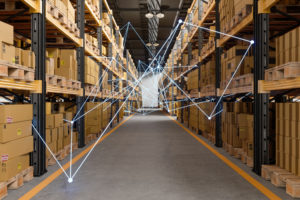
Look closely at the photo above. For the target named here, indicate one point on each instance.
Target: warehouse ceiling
(151, 30)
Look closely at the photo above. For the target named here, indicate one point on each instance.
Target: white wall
(149, 86)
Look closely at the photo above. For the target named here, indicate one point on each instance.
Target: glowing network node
(180, 21)
(70, 180)
(209, 118)
(252, 41)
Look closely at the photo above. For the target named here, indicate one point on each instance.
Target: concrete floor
(151, 157)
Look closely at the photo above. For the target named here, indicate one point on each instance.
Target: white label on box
(4, 158)
(9, 119)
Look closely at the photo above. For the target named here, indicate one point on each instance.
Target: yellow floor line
(269, 194)
(34, 191)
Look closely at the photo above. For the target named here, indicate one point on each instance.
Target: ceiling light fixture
(156, 44)
(160, 15)
(149, 15)
(149, 44)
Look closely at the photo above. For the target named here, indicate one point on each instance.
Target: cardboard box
(7, 52)
(53, 148)
(13, 131)
(58, 120)
(60, 144)
(48, 136)
(54, 134)
(66, 130)
(18, 55)
(8, 150)
(50, 121)
(50, 65)
(12, 113)
(12, 167)
(287, 162)
(6, 33)
(287, 145)
(28, 58)
(60, 133)
(68, 116)
(67, 140)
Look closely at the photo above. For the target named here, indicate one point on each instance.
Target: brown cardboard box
(12, 167)
(293, 129)
(8, 150)
(60, 144)
(7, 52)
(50, 65)
(6, 33)
(58, 120)
(281, 143)
(250, 149)
(53, 148)
(287, 145)
(54, 134)
(287, 127)
(281, 160)
(295, 147)
(68, 116)
(11, 113)
(298, 167)
(50, 121)
(13, 131)
(48, 136)
(287, 162)
(293, 164)
(28, 58)
(287, 111)
(60, 133)
(66, 129)
(67, 140)
(18, 55)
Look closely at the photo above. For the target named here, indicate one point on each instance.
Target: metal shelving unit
(259, 23)
(37, 25)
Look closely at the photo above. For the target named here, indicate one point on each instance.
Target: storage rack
(261, 22)
(33, 25)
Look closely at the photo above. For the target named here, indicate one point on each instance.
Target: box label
(19, 132)
(9, 119)
(4, 158)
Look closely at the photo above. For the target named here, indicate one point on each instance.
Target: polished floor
(150, 157)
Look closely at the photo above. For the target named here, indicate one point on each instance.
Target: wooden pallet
(56, 80)
(16, 71)
(282, 178)
(16, 181)
(288, 70)
(73, 84)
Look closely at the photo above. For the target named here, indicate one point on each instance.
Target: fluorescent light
(160, 15)
(149, 44)
(149, 15)
(156, 44)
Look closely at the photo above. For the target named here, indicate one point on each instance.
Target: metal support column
(38, 37)
(218, 141)
(80, 73)
(261, 101)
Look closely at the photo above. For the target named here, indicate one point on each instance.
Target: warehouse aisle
(151, 157)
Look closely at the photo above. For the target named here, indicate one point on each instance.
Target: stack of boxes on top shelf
(12, 54)
(91, 71)
(237, 129)
(61, 62)
(106, 25)
(232, 12)
(288, 137)
(16, 141)
(66, 9)
(211, 41)
(288, 47)
(58, 130)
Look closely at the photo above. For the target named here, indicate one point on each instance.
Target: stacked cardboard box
(206, 126)
(193, 79)
(288, 137)
(66, 8)
(230, 60)
(237, 126)
(10, 53)
(16, 141)
(194, 115)
(288, 47)
(207, 73)
(93, 119)
(229, 9)
(63, 61)
(91, 71)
